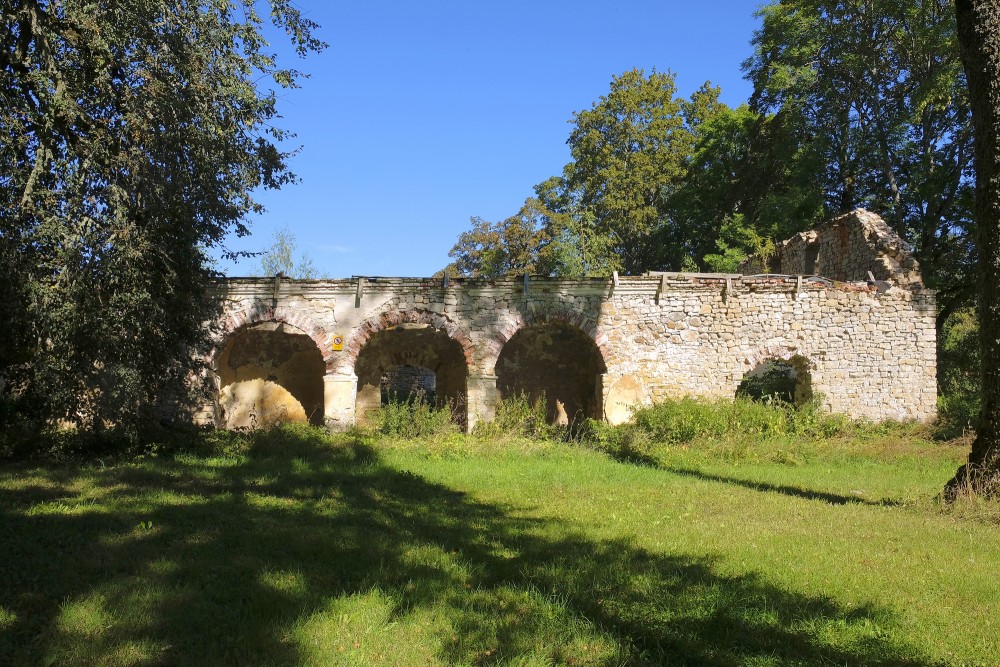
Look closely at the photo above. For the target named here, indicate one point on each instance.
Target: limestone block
(339, 396)
(625, 395)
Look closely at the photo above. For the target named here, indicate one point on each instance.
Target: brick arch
(571, 317)
(259, 313)
(392, 318)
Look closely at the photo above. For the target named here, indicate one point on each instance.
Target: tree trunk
(979, 39)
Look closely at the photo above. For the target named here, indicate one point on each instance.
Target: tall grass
(416, 418)
(728, 425)
(519, 417)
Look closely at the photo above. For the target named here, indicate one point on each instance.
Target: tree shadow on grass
(783, 489)
(192, 561)
(645, 460)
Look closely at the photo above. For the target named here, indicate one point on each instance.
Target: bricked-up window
(416, 346)
(407, 383)
(786, 380)
(558, 362)
(270, 373)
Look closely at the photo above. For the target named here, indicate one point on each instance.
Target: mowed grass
(296, 548)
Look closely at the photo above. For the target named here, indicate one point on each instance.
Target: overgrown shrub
(686, 420)
(776, 382)
(519, 417)
(63, 442)
(958, 373)
(415, 418)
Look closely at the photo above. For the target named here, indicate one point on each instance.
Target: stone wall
(869, 350)
(845, 248)
(869, 355)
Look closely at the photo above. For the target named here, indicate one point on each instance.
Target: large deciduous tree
(870, 96)
(132, 138)
(515, 245)
(629, 153)
(979, 37)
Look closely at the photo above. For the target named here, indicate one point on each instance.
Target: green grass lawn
(295, 548)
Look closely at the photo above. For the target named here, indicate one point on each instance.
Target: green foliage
(416, 418)
(618, 205)
(134, 140)
(776, 382)
(868, 107)
(684, 421)
(736, 240)
(511, 247)
(716, 212)
(279, 257)
(518, 417)
(959, 398)
(628, 153)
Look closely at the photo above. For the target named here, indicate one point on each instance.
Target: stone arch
(268, 372)
(790, 371)
(414, 338)
(258, 313)
(394, 318)
(566, 316)
(553, 354)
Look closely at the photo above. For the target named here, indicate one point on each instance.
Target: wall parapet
(649, 284)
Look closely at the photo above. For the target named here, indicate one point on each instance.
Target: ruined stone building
(842, 306)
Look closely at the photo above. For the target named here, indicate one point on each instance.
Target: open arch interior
(555, 360)
(787, 380)
(408, 362)
(270, 373)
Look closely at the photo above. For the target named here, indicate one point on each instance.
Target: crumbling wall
(845, 248)
(868, 349)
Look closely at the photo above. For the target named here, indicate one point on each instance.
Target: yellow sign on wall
(337, 342)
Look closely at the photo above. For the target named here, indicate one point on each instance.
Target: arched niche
(775, 378)
(270, 372)
(409, 353)
(556, 360)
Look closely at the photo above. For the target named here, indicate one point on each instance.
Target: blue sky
(420, 115)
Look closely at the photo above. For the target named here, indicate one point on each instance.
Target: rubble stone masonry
(592, 347)
(869, 350)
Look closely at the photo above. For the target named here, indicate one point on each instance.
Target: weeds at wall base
(740, 430)
(416, 418)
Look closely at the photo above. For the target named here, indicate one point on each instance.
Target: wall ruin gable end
(846, 248)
